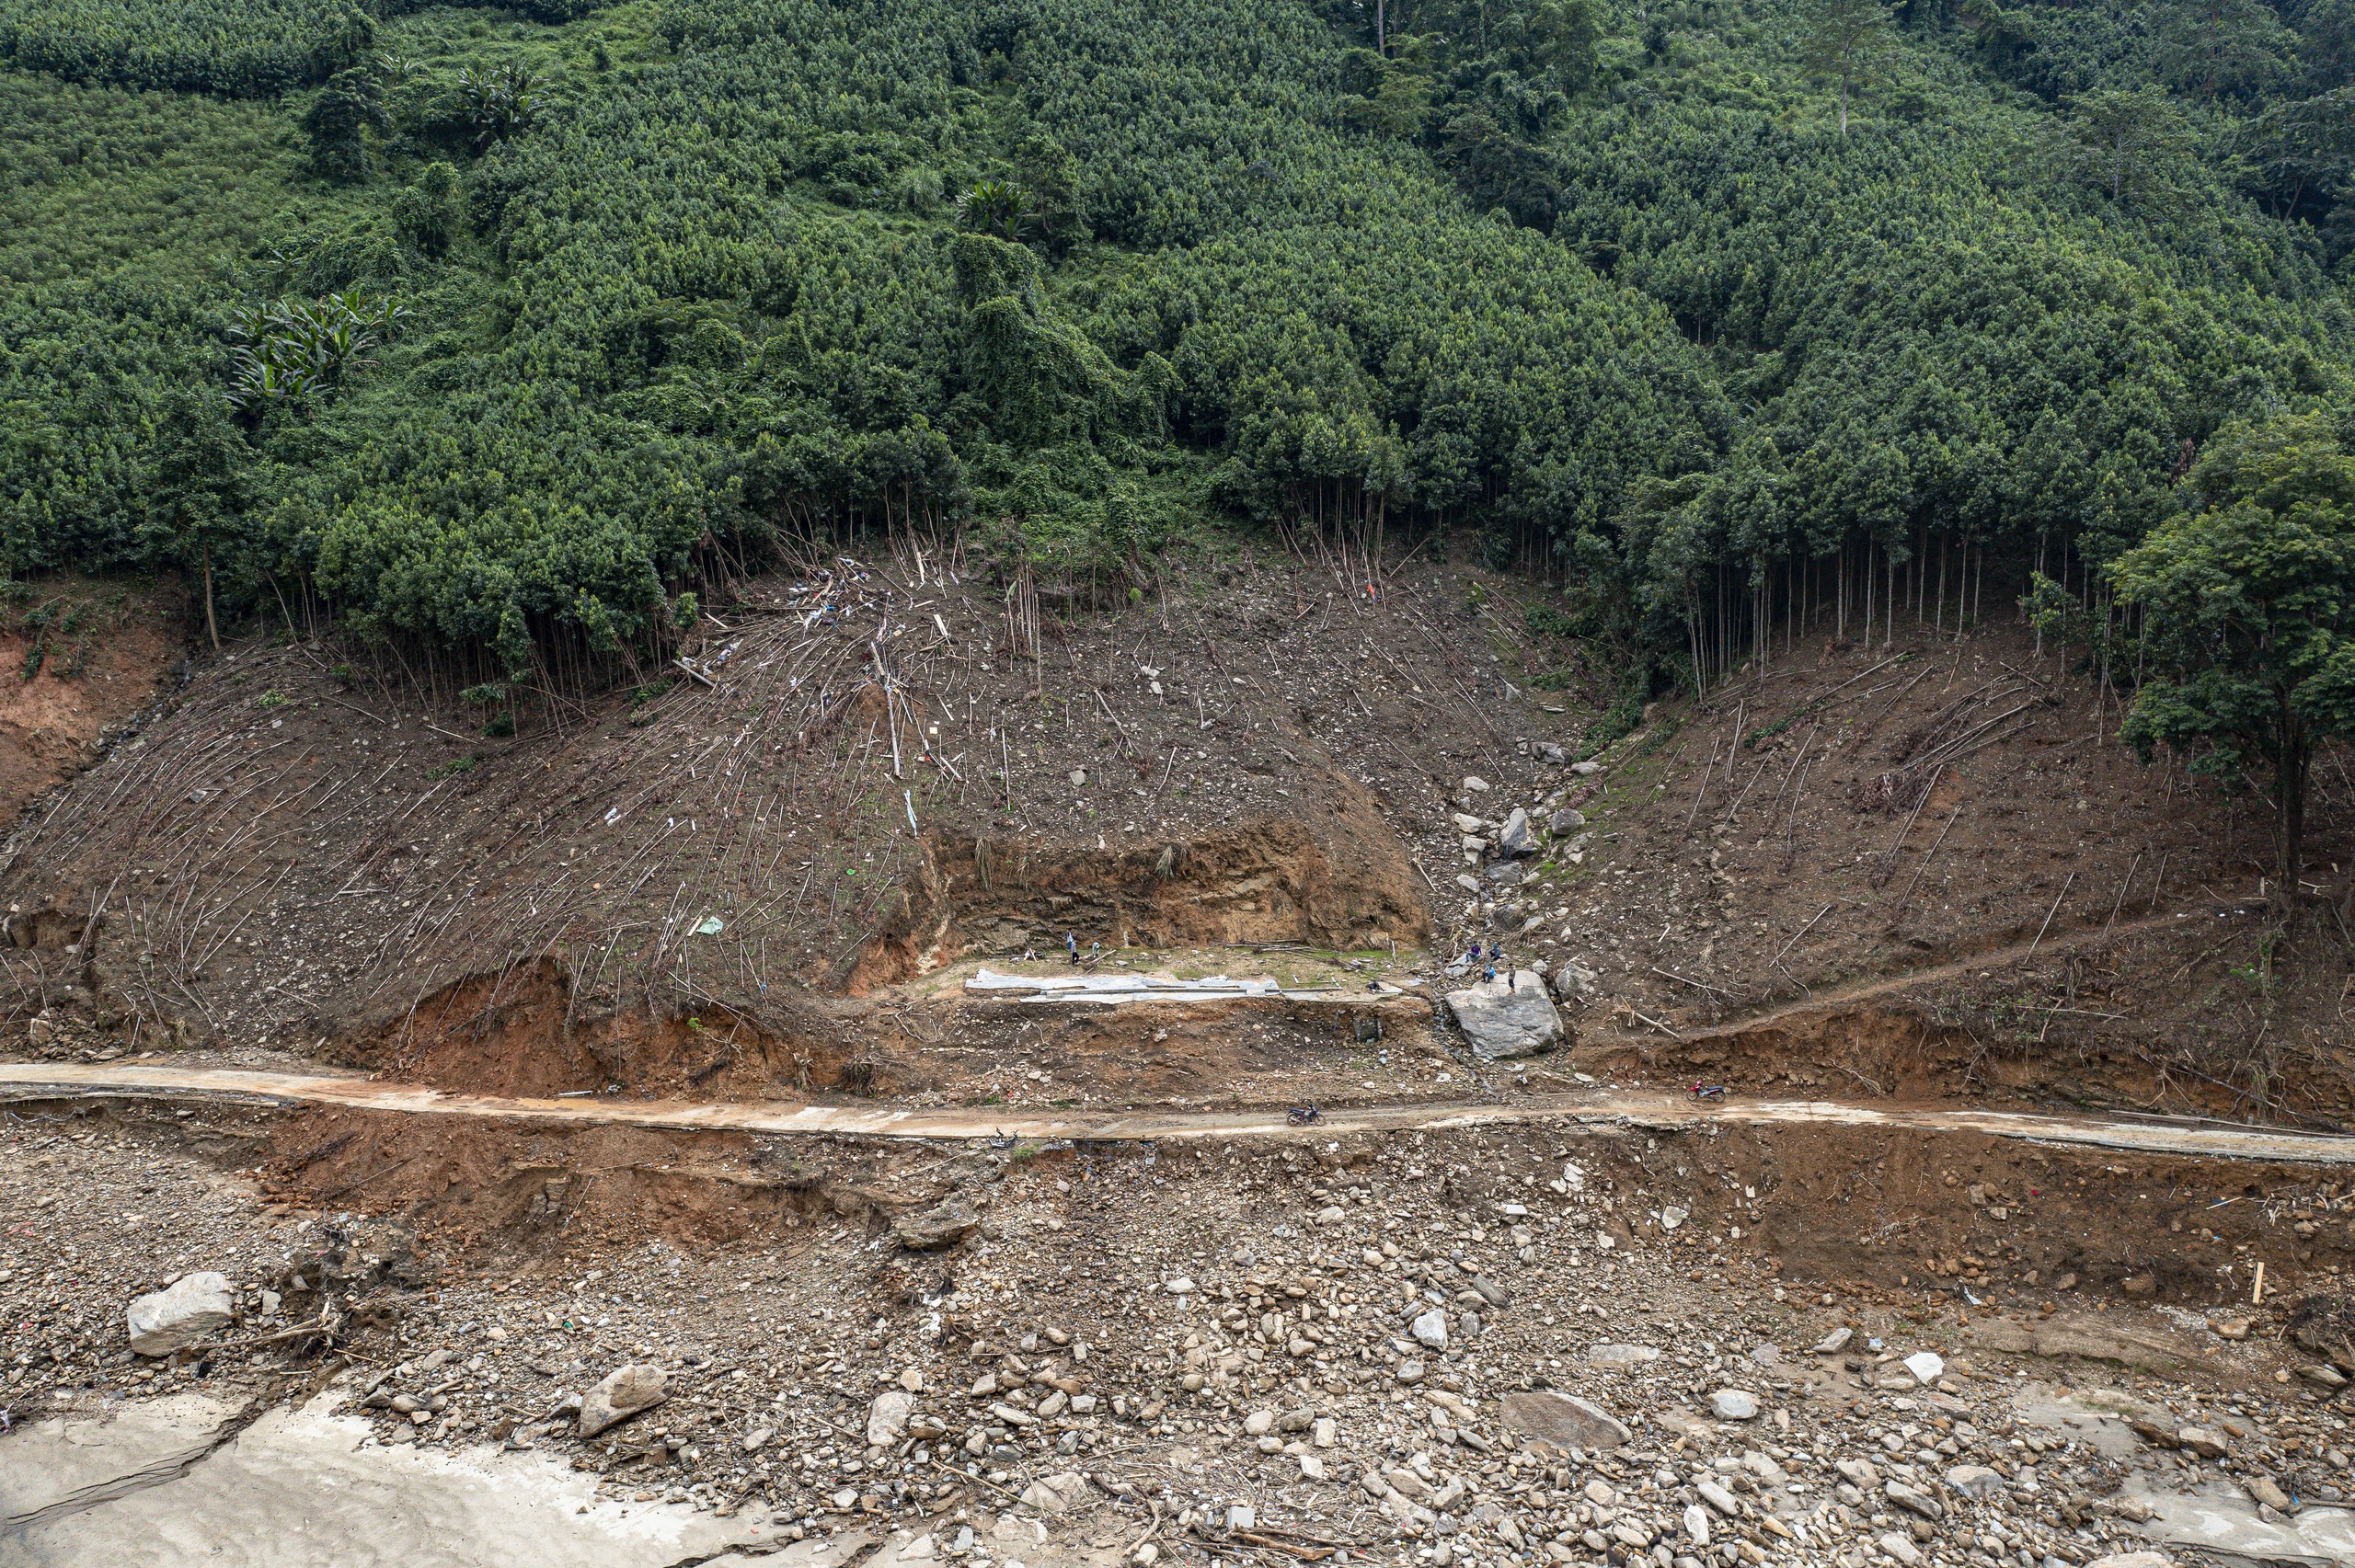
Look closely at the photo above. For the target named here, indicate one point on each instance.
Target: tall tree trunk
(2291, 790)
(210, 626)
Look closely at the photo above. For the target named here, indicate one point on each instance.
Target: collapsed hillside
(1922, 866)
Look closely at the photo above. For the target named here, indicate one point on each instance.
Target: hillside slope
(1918, 867)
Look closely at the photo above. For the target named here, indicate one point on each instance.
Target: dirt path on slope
(36, 1080)
(1842, 997)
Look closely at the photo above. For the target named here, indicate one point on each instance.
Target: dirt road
(42, 1081)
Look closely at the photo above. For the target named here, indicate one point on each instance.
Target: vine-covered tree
(341, 119)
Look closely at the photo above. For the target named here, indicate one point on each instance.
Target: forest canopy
(496, 330)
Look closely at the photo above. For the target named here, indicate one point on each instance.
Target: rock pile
(1433, 1348)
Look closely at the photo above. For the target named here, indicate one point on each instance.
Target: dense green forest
(493, 331)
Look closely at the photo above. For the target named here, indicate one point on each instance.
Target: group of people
(1488, 966)
(1071, 945)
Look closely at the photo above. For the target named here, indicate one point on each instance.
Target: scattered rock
(887, 1418)
(2201, 1441)
(1430, 1329)
(1564, 1419)
(1573, 982)
(1927, 1365)
(1733, 1404)
(1900, 1548)
(2134, 1560)
(1835, 1341)
(1056, 1493)
(1915, 1502)
(1975, 1481)
(625, 1392)
(943, 1226)
(193, 1306)
(1620, 1355)
(1566, 821)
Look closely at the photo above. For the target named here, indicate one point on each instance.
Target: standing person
(1070, 943)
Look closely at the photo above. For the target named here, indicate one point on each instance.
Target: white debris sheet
(1159, 985)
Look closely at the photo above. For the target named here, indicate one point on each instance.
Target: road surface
(1649, 1109)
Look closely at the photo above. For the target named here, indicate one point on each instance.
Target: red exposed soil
(87, 681)
(515, 1034)
(1336, 875)
(1895, 1211)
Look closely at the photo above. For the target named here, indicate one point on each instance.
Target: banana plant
(290, 350)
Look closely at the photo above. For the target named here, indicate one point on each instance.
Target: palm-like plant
(499, 100)
(996, 207)
(291, 350)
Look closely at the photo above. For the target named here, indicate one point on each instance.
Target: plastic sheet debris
(1158, 986)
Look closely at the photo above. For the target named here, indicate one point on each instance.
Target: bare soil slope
(1920, 867)
(77, 661)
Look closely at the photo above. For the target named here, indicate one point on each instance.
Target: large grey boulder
(1514, 837)
(1564, 1419)
(1507, 1020)
(625, 1392)
(1733, 1404)
(193, 1306)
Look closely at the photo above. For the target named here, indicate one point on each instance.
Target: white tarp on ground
(1158, 986)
